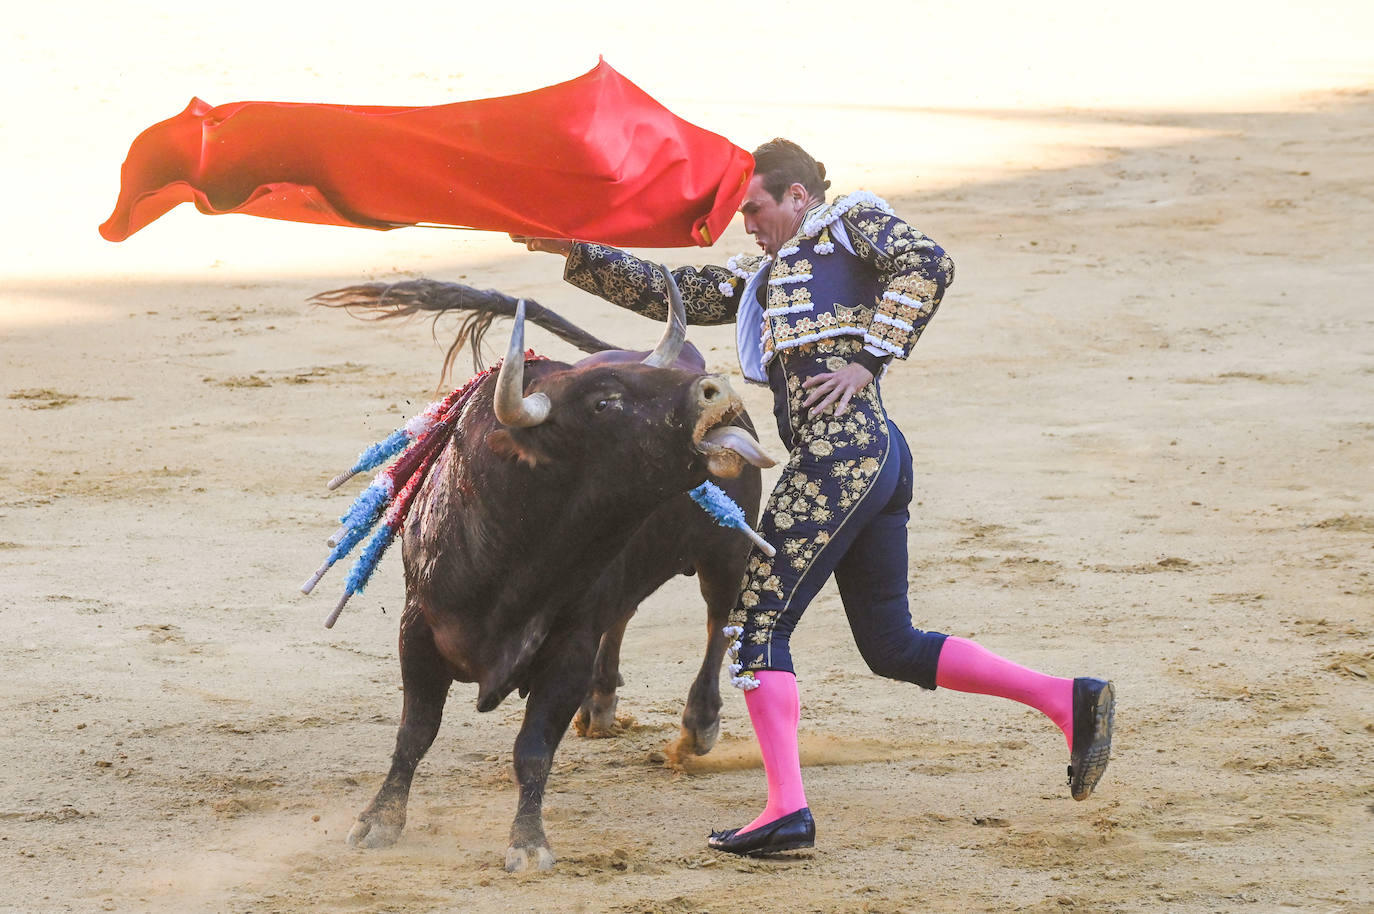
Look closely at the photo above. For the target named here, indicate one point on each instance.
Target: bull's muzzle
(727, 447)
(711, 392)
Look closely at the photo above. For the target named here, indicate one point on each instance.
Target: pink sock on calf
(775, 710)
(966, 666)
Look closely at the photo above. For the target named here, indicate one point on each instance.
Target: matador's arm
(915, 272)
(630, 282)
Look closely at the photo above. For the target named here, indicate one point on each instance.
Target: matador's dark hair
(782, 163)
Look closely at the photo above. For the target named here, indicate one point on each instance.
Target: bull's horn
(512, 406)
(675, 334)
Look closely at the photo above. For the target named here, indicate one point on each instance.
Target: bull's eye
(611, 401)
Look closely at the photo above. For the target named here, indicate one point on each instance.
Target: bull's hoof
(704, 738)
(596, 718)
(694, 742)
(519, 859)
(373, 834)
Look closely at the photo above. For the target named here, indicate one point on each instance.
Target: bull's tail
(382, 301)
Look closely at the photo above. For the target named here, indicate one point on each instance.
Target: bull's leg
(563, 679)
(596, 717)
(720, 583)
(426, 680)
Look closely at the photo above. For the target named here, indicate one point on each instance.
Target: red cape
(594, 158)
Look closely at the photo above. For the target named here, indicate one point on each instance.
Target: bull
(556, 508)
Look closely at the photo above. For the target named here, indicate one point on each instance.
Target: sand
(1143, 430)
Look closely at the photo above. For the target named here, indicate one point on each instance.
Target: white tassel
(791, 309)
(733, 266)
(821, 335)
(746, 683)
(828, 214)
(893, 322)
(907, 300)
(871, 340)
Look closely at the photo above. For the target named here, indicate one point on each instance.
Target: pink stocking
(774, 710)
(966, 666)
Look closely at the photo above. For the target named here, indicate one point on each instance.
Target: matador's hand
(551, 245)
(836, 388)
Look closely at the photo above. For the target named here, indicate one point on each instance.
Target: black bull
(555, 510)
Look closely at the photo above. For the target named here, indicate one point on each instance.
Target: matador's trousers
(839, 508)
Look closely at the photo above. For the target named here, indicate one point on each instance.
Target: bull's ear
(505, 444)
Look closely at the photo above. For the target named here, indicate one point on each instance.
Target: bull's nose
(712, 391)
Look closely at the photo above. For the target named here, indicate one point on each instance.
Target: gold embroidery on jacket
(807, 510)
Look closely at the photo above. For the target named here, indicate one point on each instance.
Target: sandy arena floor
(1144, 431)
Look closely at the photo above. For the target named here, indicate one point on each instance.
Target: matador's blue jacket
(854, 269)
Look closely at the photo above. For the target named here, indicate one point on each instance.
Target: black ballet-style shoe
(1094, 706)
(791, 832)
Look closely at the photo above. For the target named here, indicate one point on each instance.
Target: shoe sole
(764, 851)
(770, 851)
(1095, 760)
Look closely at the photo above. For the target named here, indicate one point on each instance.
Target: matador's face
(773, 222)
